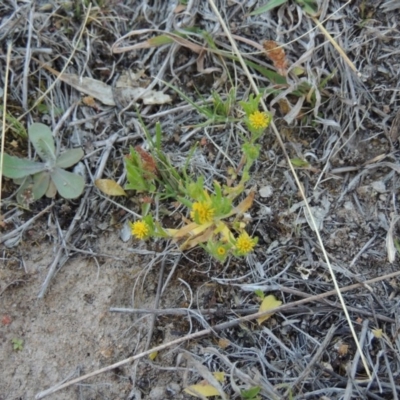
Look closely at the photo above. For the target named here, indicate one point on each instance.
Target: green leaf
(159, 40)
(309, 6)
(273, 76)
(14, 167)
(299, 163)
(41, 183)
(69, 185)
(250, 393)
(69, 158)
(259, 293)
(42, 139)
(269, 6)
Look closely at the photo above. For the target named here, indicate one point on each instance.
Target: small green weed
(251, 394)
(215, 222)
(47, 177)
(18, 344)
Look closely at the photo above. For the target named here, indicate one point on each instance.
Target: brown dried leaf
(223, 343)
(109, 187)
(343, 349)
(148, 162)
(89, 101)
(277, 55)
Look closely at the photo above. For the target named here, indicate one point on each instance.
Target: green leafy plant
(309, 6)
(215, 220)
(251, 394)
(48, 177)
(18, 344)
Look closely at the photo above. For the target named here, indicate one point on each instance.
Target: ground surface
(62, 273)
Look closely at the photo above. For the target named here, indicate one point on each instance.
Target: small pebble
(266, 191)
(157, 393)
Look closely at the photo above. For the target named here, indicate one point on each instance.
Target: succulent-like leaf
(68, 184)
(41, 183)
(51, 190)
(69, 158)
(42, 139)
(14, 167)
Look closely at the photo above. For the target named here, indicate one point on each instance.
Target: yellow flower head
(221, 251)
(204, 212)
(140, 229)
(245, 244)
(259, 120)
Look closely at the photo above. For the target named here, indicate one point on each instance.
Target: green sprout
(251, 394)
(18, 344)
(48, 177)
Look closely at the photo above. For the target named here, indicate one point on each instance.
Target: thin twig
(3, 136)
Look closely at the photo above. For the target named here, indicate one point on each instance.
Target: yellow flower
(221, 251)
(245, 244)
(140, 229)
(204, 212)
(259, 120)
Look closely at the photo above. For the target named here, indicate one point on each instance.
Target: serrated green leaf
(14, 167)
(69, 158)
(68, 184)
(42, 139)
(269, 6)
(41, 183)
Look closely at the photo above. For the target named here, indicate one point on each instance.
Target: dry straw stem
(3, 136)
(336, 46)
(213, 329)
(299, 185)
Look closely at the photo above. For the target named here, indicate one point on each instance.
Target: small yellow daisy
(245, 244)
(140, 229)
(259, 120)
(204, 212)
(221, 251)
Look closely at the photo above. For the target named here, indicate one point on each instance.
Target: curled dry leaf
(109, 187)
(277, 55)
(268, 303)
(105, 93)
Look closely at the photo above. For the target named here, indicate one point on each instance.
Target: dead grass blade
(336, 46)
(299, 185)
(3, 136)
